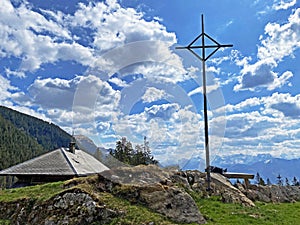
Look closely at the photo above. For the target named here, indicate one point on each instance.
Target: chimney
(72, 147)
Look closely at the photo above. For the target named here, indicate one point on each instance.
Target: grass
(38, 192)
(212, 209)
(217, 212)
(133, 214)
(4, 222)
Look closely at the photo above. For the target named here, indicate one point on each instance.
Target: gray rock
(154, 188)
(273, 193)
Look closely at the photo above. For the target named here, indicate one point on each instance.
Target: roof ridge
(68, 161)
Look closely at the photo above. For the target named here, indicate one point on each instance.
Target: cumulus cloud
(153, 94)
(82, 100)
(9, 73)
(159, 64)
(6, 89)
(288, 109)
(270, 122)
(54, 93)
(261, 74)
(277, 105)
(283, 105)
(282, 4)
(116, 26)
(22, 28)
(279, 41)
(164, 111)
(38, 37)
(96, 98)
(117, 81)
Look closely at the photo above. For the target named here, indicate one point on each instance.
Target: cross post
(204, 58)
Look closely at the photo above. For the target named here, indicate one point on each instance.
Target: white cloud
(54, 93)
(116, 26)
(164, 111)
(283, 105)
(284, 4)
(29, 36)
(5, 89)
(280, 41)
(118, 82)
(153, 94)
(249, 102)
(37, 38)
(169, 129)
(246, 131)
(281, 80)
(95, 100)
(260, 74)
(160, 64)
(9, 73)
(277, 105)
(270, 122)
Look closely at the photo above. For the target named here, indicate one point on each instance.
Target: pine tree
(257, 177)
(268, 182)
(279, 181)
(295, 182)
(125, 153)
(287, 183)
(262, 182)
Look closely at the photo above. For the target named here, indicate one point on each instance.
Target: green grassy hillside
(212, 208)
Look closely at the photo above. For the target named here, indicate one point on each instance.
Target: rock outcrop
(220, 187)
(154, 188)
(271, 193)
(70, 207)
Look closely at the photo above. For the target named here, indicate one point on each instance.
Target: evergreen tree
(257, 178)
(279, 180)
(268, 182)
(125, 153)
(149, 159)
(295, 182)
(262, 182)
(287, 183)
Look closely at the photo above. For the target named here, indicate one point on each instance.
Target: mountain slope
(48, 135)
(23, 137)
(15, 145)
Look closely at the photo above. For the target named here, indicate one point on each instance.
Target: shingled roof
(60, 162)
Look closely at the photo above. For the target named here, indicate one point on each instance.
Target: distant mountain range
(265, 164)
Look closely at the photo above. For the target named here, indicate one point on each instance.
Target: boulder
(154, 188)
(273, 193)
(70, 207)
(220, 186)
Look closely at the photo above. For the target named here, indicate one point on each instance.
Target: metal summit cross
(192, 47)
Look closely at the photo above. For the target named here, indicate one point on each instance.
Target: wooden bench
(245, 176)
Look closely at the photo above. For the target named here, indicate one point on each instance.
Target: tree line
(138, 155)
(280, 181)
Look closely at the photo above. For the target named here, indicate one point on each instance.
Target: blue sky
(108, 69)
